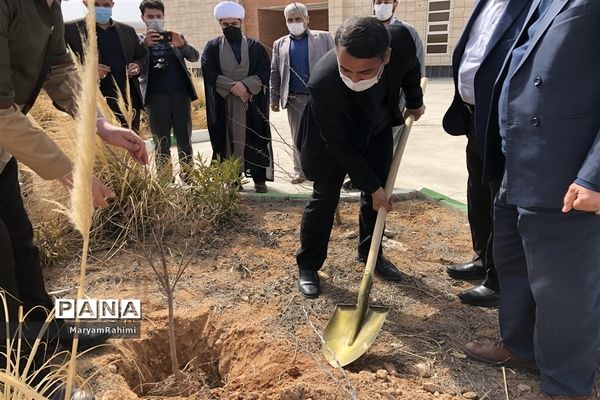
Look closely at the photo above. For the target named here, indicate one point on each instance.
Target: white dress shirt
(479, 38)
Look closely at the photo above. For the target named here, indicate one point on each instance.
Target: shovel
(353, 328)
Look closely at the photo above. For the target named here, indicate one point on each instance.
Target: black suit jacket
(335, 132)
(456, 119)
(133, 50)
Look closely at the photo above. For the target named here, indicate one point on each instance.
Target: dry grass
(53, 232)
(199, 106)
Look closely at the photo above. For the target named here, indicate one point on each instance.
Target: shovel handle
(389, 188)
(367, 280)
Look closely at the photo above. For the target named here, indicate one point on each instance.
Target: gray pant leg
(295, 107)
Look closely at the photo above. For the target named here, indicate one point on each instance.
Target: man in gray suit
(294, 56)
(546, 231)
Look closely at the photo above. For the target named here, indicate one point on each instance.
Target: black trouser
(111, 99)
(317, 219)
(168, 112)
(20, 267)
(480, 202)
(21, 279)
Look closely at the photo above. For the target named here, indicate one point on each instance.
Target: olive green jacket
(29, 28)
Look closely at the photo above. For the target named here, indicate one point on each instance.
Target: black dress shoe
(58, 392)
(309, 283)
(260, 187)
(480, 296)
(384, 268)
(470, 271)
(86, 341)
(348, 185)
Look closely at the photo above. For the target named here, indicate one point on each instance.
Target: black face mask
(232, 33)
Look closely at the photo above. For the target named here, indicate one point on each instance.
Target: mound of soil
(245, 333)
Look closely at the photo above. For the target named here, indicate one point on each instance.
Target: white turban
(228, 9)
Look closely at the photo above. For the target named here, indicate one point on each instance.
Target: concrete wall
(193, 18)
(264, 21)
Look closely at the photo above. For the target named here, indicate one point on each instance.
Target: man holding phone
(167, 86)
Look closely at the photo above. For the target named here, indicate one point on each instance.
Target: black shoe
(470, 271)
(260, 187)
(480, 296)
(309, 283)
(58, 392)
(87, 341)
(349, 186)
(186, 179)
(384, 268)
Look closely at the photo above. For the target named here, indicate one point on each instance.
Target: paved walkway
(431, 159)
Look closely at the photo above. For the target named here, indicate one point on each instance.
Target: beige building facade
(439, 22)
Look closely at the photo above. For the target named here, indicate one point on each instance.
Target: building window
(438, 20)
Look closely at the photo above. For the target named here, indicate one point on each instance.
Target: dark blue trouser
(548, 265)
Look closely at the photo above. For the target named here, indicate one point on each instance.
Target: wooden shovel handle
(389, 188)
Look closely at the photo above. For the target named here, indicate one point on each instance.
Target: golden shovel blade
(338, 347)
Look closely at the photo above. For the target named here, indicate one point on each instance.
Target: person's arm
(63, 85)
(420, 51)
(411, 84)
(335, 129)
(584, 193)
(255, 83)
(210, 69)
(590, 170)
(29, 144)
(19, 135)
(189, 52)
(140, 52)
(275, 78)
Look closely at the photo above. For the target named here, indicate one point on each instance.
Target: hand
(245, 97)
(125, 138)
(103, 70)
(275, 107)
(238, 89)
(99, 191)
(133, 69)
(380, 199)
(177, 40)
(417, 112)
(582, 199)
(152, 37)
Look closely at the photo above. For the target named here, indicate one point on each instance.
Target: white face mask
(155, 24)
(383, 12)
(363, 85)
(296, 28)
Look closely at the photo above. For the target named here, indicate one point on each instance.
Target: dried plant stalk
(81, 195)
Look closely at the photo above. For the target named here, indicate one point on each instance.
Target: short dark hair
(155, 4)
(363, 37)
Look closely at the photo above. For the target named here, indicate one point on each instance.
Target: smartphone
(165, 37)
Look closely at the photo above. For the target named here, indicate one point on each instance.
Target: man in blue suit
(546, 231)
(477, 60)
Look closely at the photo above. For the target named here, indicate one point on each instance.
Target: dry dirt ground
(244, 332)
